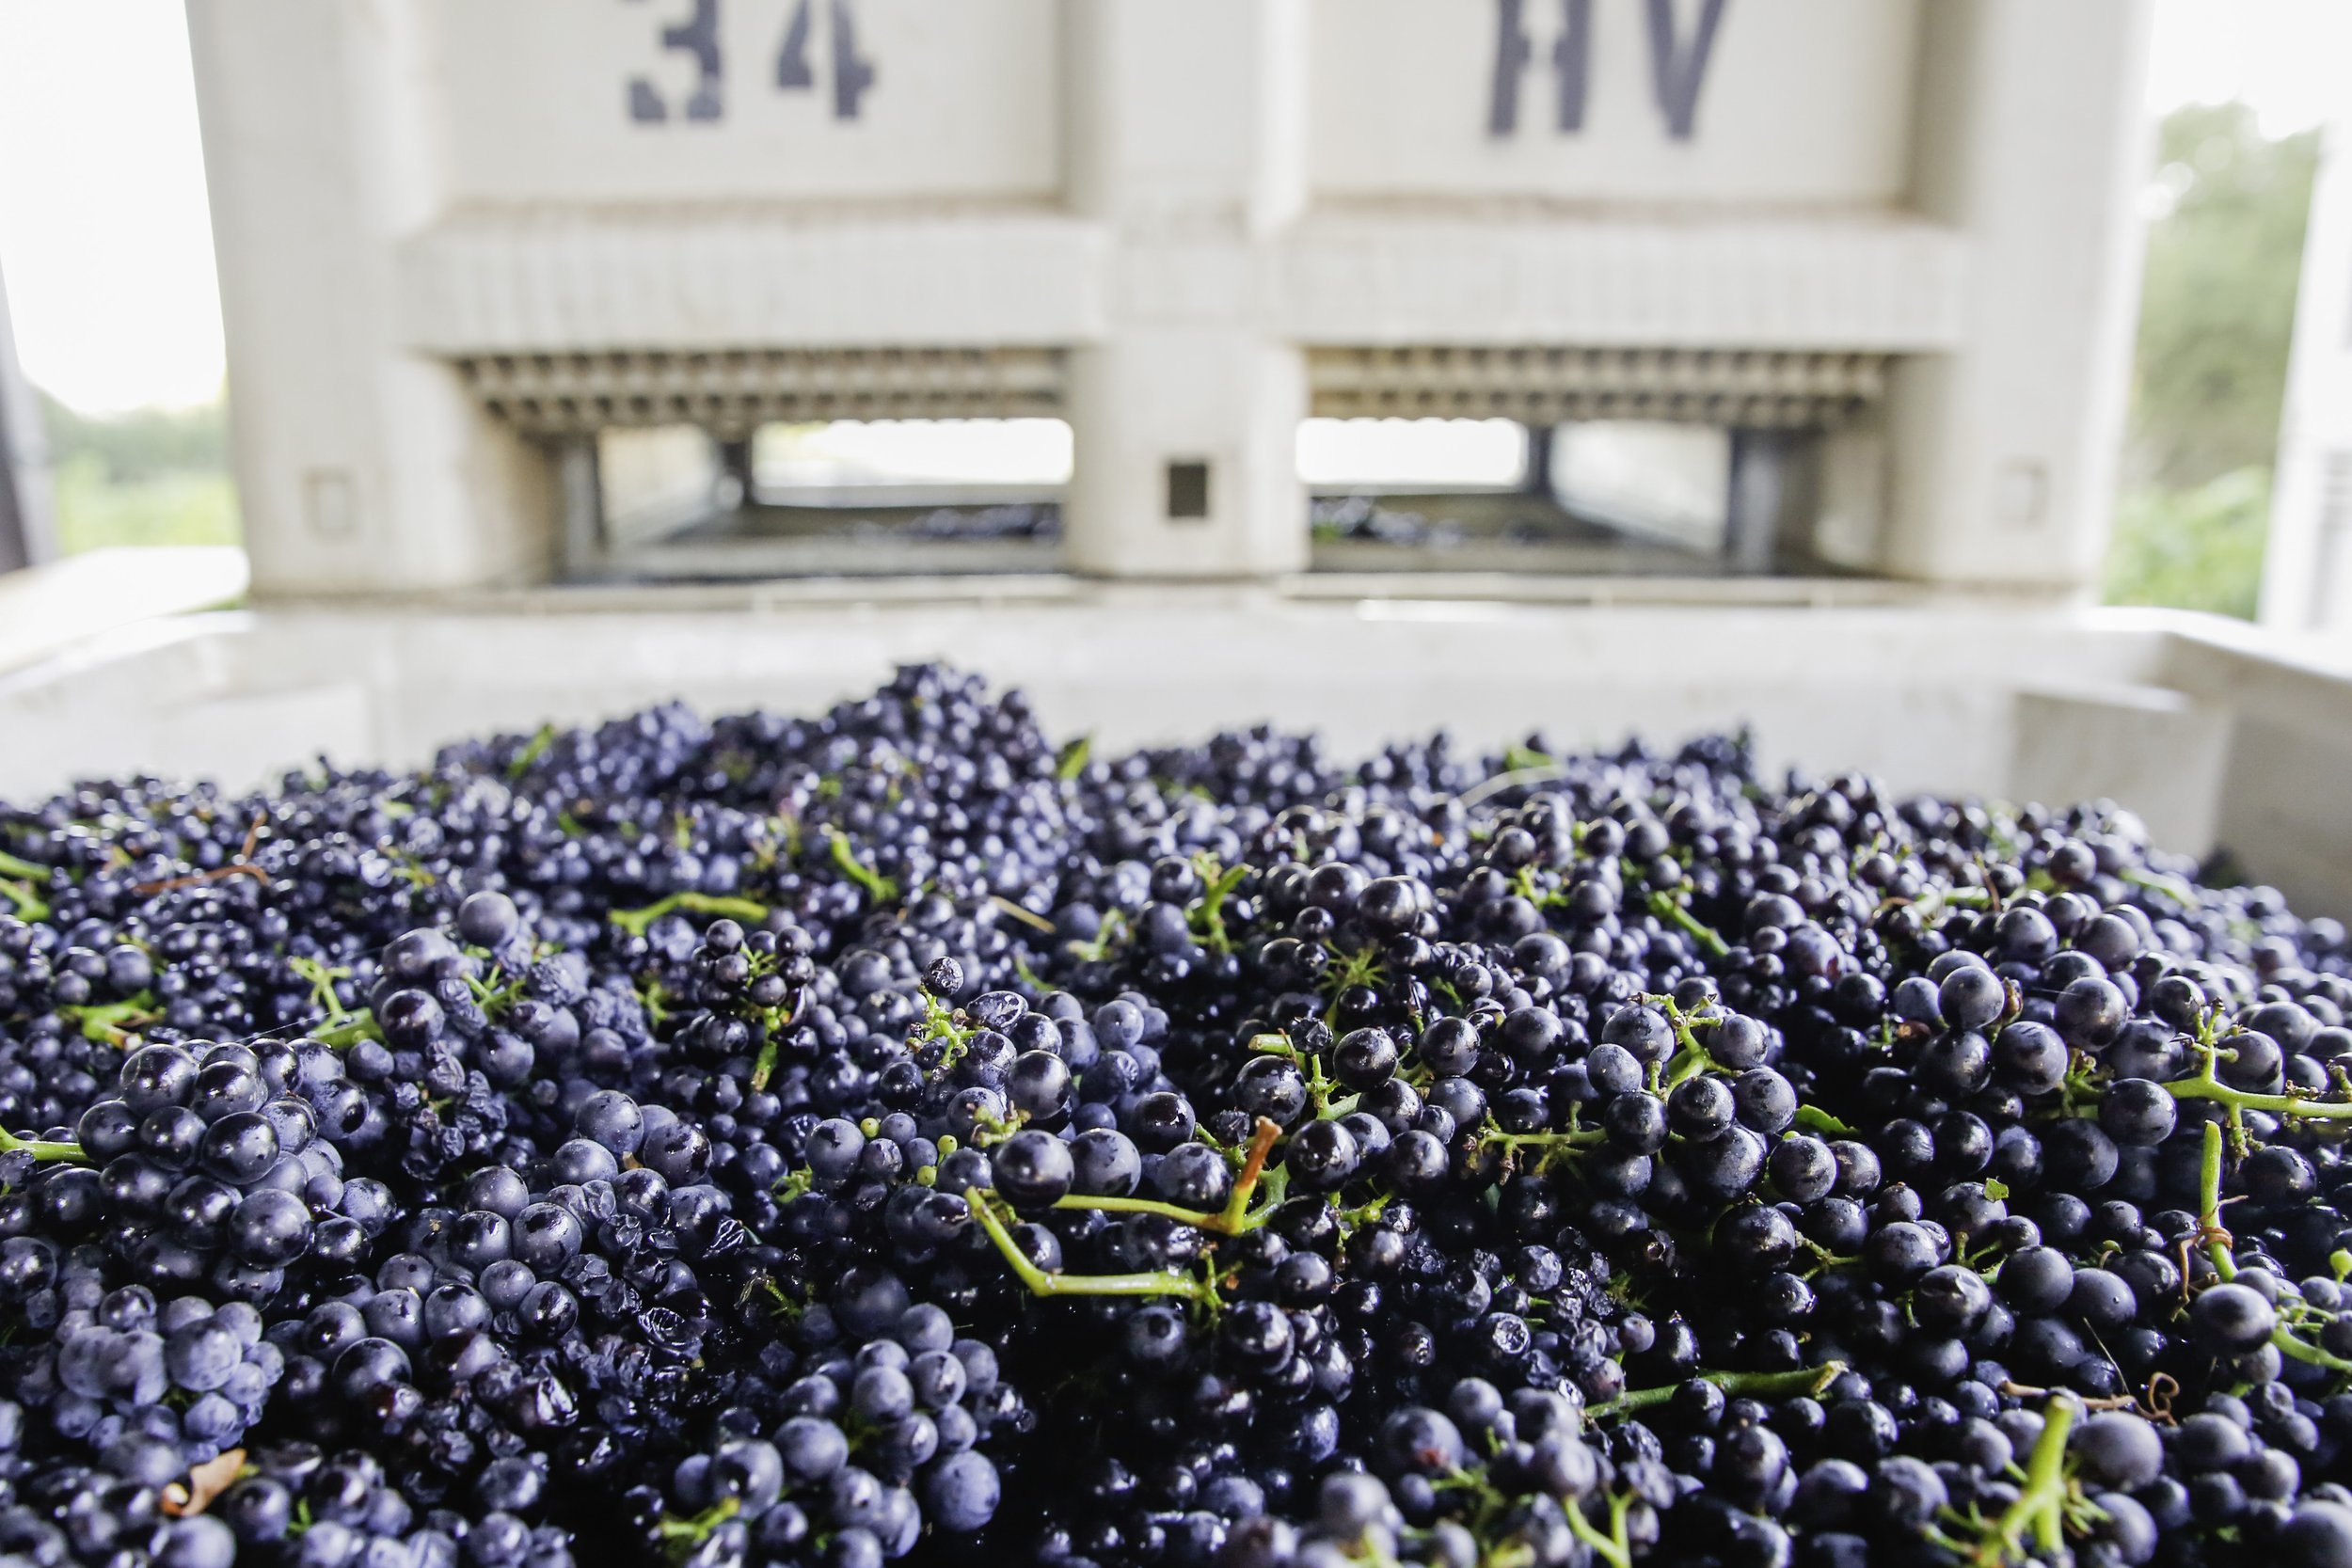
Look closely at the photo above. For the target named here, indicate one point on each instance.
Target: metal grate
(733, 392)
(1745, 388)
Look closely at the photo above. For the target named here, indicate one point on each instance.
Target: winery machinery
(1885, 246)
(522, 298)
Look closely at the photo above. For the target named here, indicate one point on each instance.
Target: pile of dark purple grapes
(891, 1136)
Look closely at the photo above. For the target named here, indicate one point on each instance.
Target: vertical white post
(360, 465)
(28, 527)
(2030, 130)
(1187, 136)
(2307, 565)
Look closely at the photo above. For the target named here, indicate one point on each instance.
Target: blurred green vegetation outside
(2216, 317)
(151, 477)
(2195, 547)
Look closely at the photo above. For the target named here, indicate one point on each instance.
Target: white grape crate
(2214, 734)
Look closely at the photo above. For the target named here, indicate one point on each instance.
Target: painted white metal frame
(1186, 196)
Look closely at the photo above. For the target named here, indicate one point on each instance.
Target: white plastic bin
(2208, 731)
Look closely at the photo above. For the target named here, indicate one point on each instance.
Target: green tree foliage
(151, 477)
(2200, 547)
(2216, 317)
(2218, 303)
(143, 443)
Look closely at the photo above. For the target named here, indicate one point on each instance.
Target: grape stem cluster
(1205, 915)
(1665, 906)
(21, 884)
(2217, 1241)
(1689, 1060)
(1320, 1099)
(1234, 1219)
(1490, 1514)
(679, 1537)
(2050, 1503)
(112, 1022)
(2207, 1084)
(1150, 1282)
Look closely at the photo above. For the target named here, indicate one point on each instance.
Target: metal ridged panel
(732, 392)
(1751, 388)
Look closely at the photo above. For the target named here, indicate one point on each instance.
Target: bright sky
(105, 248)
(107, 254)
(2284, 57)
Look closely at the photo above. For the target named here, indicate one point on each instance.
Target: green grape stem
(42, 1148)
(1112, 930)
(1030, 918)
(637, 922)
(679, 1537)
(2207, 1084)
(1546, 771)
(1207, 917)
(1690, 1058)
(2209, 1228)
(533, 749)
(1666, 907)
(775, 1021)
(2303, 1351)
(1818, 1121)
(30, 905)
(1755, 1385)
(111, 1023)
(881, 889)
(793, 1184)
(2040, 1505)
(1310, 1065)
(1490, 1513)
(1935, 900)
(1492, 1137)
(358, 1027)
(321, 980)
(17, 866)
(1613, 1545)
(2217, 1242)
(2179, 890)
(1233, 1220)
(940, 1024)
(1158, 1282)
